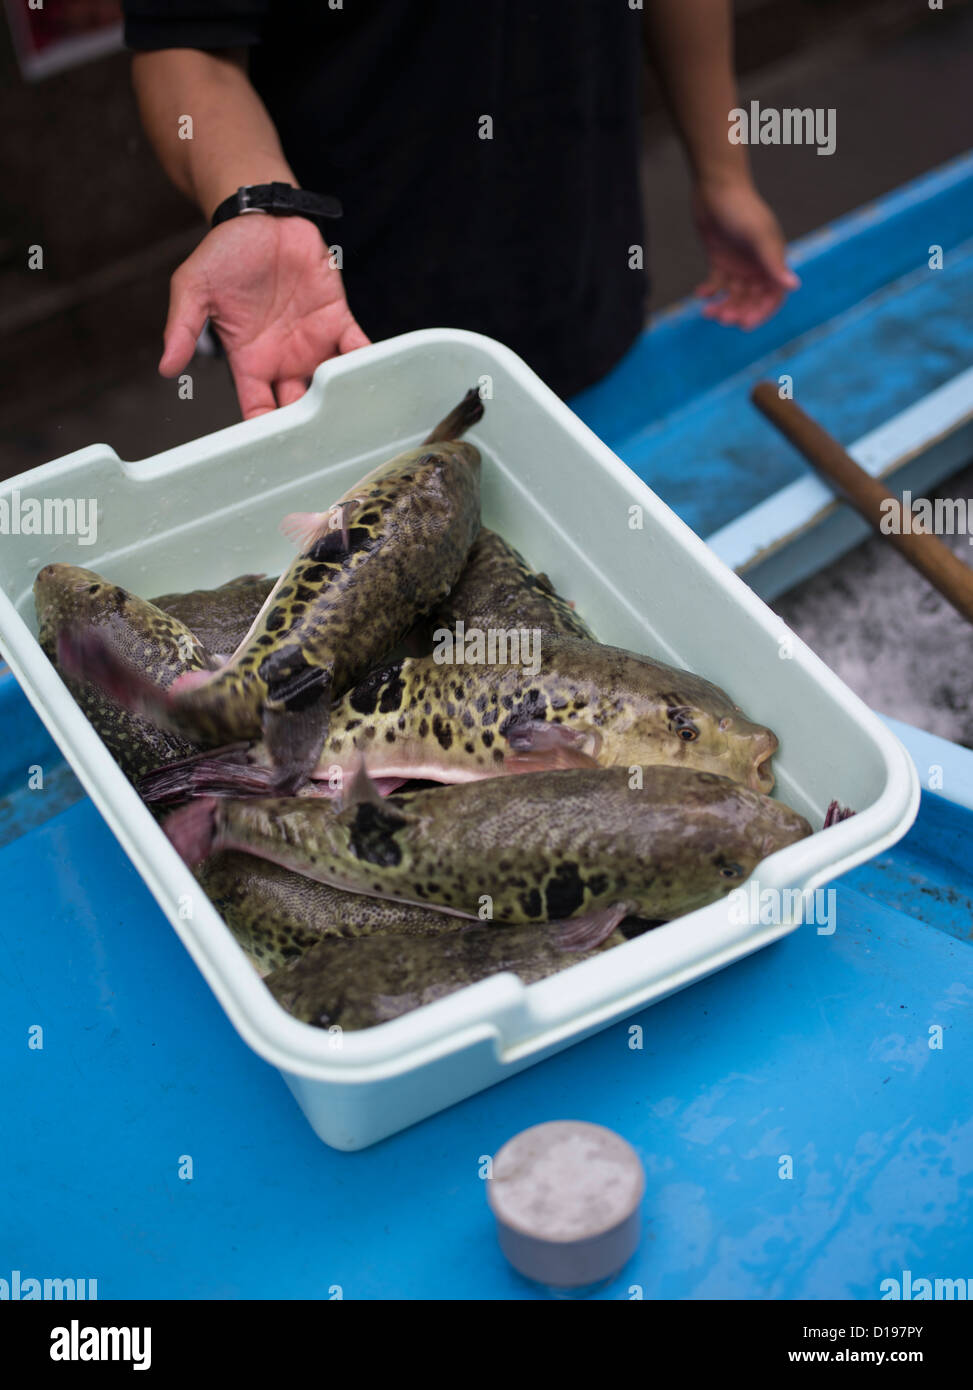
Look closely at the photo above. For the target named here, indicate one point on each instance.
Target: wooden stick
(925, 552)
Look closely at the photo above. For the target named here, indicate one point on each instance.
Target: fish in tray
(220, 618)
(580, 849)
(386, 552)
(277, 915)
(138, 633)
(498, 589)
(357, 984)
(580, 704)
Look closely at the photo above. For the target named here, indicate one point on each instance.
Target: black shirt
(525, 236)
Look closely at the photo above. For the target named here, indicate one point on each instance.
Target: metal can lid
(566, 1196)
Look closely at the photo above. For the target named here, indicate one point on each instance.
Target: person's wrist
(279, 200)
(729, 170)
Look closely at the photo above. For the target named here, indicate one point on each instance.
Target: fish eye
(731, 871)
(681, 725)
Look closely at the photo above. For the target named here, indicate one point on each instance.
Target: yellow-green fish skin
(499, 589)
(358, 984)
(220, 618)
(277, 915)
(420, 718)
(335, 612)
(551, 846)
(141, 634)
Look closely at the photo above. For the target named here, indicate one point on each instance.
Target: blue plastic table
(817, 1048)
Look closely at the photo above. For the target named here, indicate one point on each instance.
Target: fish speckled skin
(340, 606)
(499, 589)
(220, 618)
(453, 723)
(357, 984)
(277, 915)
(387, 551)
(587, 705)
(142, 635)
(552, 846)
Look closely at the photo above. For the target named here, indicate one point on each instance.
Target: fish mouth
(761, 773)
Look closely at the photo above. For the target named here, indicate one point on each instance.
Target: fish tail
(205, 775)
(192, 830)
(459, 420)
(835, 813)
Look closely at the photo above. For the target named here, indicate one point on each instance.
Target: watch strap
(278, 199)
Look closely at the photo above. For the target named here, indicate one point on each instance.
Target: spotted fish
(220, 618)
(587, 705)
(137, 632)
(498, 589)
(357, 984)
(277, 915)
(580, 843)
(388, 550)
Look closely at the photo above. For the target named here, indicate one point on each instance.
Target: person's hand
(278, 304)
(748, 276)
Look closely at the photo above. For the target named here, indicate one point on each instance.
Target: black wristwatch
(280, 200)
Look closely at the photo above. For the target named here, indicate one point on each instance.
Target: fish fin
(308, 529)
(362, 790)
(537, 746)
(295, 728)
(242, 579)
(192, 830)
(836, 813)
(459, 419)
(190, 680)
(84, 654)
(587, 932)
(225, 773)
(303, 527)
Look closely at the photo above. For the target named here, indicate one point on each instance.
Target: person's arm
(692, 44)
(233, 140)
(266, 283)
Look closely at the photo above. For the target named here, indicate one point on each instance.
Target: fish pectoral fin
(305, 529)
(295, 728)
(301, 527)
(591, 930)
(537, 746)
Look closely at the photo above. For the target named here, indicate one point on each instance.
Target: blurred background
(80, 339)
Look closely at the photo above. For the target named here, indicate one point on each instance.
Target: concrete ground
(901, 94)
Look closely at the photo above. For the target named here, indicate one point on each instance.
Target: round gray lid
(566, 1197)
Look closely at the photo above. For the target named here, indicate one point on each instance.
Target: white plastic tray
(203, 512)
